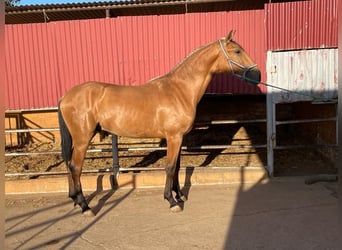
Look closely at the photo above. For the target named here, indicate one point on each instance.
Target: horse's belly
(133, 133)
(138, 127)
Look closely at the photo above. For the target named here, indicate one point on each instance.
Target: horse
(164, 107)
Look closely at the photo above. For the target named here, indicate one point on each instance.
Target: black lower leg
(75, 189)
(175, 186)
(179, 194)
(168, 188)
(168, 196)
(80, 200)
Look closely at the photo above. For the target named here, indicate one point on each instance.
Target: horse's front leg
(173, 149)
(176, 187)
(75, 187)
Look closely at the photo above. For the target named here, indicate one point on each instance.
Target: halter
(230, 62)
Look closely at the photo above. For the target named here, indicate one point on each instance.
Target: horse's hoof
(176, 209)
(88, 213)
(183, 198)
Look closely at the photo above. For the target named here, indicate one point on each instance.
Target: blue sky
(30, 2)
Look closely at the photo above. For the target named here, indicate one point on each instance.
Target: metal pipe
(31, 130)
(33, 153)
(305, 146)
(106, 170)
(203, 147)
(109, 150)
(306, 121)
(215, 122)
(219, 122)
(36, 173)
(115, 155)
(16, 111)
(183, 148)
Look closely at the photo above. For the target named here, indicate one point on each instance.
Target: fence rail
(125, 148)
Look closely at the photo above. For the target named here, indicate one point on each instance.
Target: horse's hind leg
(75, 170)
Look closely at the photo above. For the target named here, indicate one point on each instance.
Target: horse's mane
(181, 62)
(187, 57)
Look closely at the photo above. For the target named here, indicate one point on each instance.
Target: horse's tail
(66, 139)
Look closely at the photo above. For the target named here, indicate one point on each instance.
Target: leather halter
(230, 62)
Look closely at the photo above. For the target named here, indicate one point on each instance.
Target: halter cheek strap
(230, 62)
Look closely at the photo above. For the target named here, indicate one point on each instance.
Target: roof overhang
(74, 11)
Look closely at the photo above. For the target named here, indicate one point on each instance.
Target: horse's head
(237, 60)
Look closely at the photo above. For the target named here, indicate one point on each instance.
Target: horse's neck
(194, 73)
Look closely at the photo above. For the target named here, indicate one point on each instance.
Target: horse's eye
(238, 51)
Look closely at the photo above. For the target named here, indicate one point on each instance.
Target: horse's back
(84, 96)
(84, 89)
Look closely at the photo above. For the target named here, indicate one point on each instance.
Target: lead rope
(314, 98)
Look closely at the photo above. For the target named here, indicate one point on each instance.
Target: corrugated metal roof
(298, 25)
(74, 11)
(307, 72)
(43, 61)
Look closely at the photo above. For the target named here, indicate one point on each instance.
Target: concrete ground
(282, 213)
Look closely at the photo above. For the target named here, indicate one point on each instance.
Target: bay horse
(164, 107)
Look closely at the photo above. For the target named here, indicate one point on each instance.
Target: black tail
(66, 140)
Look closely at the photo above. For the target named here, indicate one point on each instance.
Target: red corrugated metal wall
(31, 68)
(301, 25)
(43, 61)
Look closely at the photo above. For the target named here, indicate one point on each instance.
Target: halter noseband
(230, 62)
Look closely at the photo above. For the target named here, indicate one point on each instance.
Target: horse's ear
(230, 36)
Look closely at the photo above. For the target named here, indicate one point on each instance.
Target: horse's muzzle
(252, 76)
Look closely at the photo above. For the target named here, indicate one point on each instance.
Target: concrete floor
(282, 213)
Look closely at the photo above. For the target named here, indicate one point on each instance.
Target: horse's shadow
(211, 135)
(152, 157)
(99, 189)
(114, 186)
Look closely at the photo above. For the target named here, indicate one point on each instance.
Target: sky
(33, 2)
